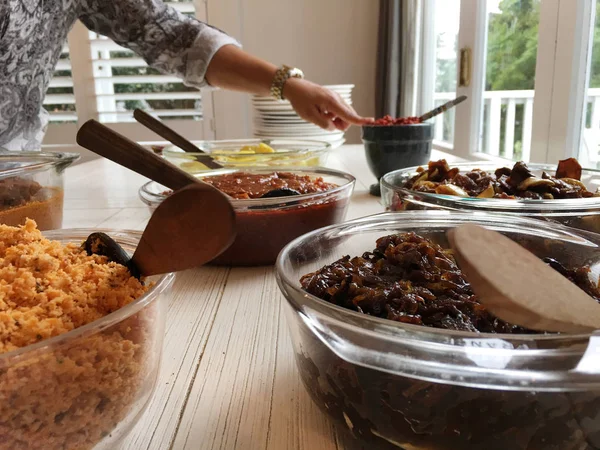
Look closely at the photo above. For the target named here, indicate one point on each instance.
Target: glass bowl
(581, 213)
(86, 388)
(403, 386)
(265, 226)
(231, 154)
(31, 186)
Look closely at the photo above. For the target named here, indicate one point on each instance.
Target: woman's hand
(321, 106)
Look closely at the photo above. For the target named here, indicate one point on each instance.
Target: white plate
(266, 108)
(300, 133)
(290, 132)
(256, 101)
(280, 116)
(287, 126)
(273, 107)
(279, 121)
(277, 124)
(318, 137)
(274, 100)
(335, 87)
(281, 106)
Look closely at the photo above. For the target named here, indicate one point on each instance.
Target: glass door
(522, 65)
(510, 64)
(589, 150)
(498, 45)
(440, 58)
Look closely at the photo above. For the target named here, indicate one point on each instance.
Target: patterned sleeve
(168, 40)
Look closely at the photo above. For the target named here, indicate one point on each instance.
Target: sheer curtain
(398, 57)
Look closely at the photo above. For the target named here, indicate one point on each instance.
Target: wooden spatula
(174, 138)
(518, 287)
(188, 229)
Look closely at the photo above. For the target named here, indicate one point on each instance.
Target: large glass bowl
(403, 386)
(31, 186)
(582, 213)
(87, 387)
(265, 225)
(235, 154)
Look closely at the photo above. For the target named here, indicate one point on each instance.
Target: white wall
(332, 41)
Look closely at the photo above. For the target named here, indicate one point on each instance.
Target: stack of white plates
(277, 119)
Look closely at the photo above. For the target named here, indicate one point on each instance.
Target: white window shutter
(98, 79)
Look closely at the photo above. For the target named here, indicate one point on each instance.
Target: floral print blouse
(32, 33)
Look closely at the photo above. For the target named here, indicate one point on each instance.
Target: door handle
(464, 77)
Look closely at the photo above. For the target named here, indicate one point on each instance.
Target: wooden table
(228, 378)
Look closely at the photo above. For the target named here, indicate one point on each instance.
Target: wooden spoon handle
(105, 142)
(173, 137)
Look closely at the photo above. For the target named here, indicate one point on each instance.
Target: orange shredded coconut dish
(47, 289)
(74, 392)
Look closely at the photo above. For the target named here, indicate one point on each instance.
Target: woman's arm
(232, 68)
(198, 53)
(168, 41)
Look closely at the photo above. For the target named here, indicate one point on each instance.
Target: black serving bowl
(393, 147)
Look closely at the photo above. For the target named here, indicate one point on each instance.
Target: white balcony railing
(508, 118)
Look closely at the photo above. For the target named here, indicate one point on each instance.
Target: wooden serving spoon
(192, 226)
(179, 235)
(518, 287)
(174, 138)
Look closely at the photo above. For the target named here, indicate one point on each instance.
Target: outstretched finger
(345, 112)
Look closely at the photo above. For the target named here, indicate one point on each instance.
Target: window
(526, 80)
(121, 81)
(60, 99)
(446, 23)
(590, 139)
(511, 54)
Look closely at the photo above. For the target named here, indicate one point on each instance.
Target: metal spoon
(443, 108)
(174, 138)
(518, 287)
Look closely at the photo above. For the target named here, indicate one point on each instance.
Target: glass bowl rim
(504, 205)
(320, 146)
(420, 124)
(37, 161)
(161, 285)
(414, 215)
(152, 198)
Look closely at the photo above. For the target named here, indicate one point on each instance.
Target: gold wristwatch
(281, 76)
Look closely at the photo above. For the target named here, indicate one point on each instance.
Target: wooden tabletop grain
(228, 379)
